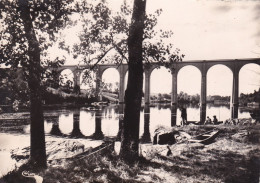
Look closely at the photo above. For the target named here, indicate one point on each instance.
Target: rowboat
(193, 122)
(205, 138)
(199, 123)
(37, 178)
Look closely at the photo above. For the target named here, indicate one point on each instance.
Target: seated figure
(215, 120)
(208, 121)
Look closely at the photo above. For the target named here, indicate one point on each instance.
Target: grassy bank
(234, 157)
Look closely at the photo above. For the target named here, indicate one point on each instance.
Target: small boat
(205, 138)
(37, 178)
(199, 123)
(193, 122)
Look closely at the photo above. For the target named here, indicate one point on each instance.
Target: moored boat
(205, 138)
(199, 123)
(193, 122)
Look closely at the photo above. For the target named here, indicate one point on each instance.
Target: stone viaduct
(202, 65)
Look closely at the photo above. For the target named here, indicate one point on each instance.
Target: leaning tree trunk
(38, 152)
(133, 93)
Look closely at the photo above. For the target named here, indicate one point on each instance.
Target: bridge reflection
(107, 122)
(98, 134)
(76, 128)
(99, 116)
(55, 130)
(173, 115)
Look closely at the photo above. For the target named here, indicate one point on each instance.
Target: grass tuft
(233, 157)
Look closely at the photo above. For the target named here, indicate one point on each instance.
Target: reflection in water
(55, 130)
(146, 137)
(210, 105)
(108, 120)
(202, 113)
(109, 123)
(255, 114)
(66, 122)
(76, 129)
(120, 120)
(87, 122)
(98, 135)
(173, 115)
(163, 106)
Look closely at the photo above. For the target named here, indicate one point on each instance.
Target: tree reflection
(121, 119)
(146, 137)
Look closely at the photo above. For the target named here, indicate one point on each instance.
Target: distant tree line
(212, 98)
(244, 99)
(182, 98)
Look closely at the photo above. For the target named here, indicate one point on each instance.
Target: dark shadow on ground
(229, 167)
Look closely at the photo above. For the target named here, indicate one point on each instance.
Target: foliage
(103, 38)
(51, 98)
(218, 97)
(49, 18)
(13, 87)
(29, 27)
(182, 97)
(252, 97)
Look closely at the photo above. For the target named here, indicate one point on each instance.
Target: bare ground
(234, 157)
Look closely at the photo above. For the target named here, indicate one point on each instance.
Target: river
(102, 122)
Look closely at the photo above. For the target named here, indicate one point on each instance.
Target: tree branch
(100, 58)
(120, 51)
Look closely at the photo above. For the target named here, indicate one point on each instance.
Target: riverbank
(233, 157)
(57, 149)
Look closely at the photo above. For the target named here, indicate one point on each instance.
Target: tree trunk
(38, 152)
(133, 93)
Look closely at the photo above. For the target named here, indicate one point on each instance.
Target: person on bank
(215, 120)
(184, 115)
(208, 121)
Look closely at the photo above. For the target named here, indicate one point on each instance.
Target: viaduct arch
(233, 64)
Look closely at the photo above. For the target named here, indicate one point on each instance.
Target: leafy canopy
(104, 37)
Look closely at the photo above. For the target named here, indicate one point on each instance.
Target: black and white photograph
(129, 91)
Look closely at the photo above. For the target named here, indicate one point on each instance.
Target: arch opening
(189, 90)
(189, 84)
(249, 79)
(219, 91)
(66, 78)
(161, 84)
(249, 90)
(87, 82)
(109, 87)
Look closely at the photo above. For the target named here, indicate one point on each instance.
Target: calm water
(106, 120)
(110, 116)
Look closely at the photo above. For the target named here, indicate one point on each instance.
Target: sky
(212, 29)
(205, 30)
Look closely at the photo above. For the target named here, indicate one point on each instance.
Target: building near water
(253, 104)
